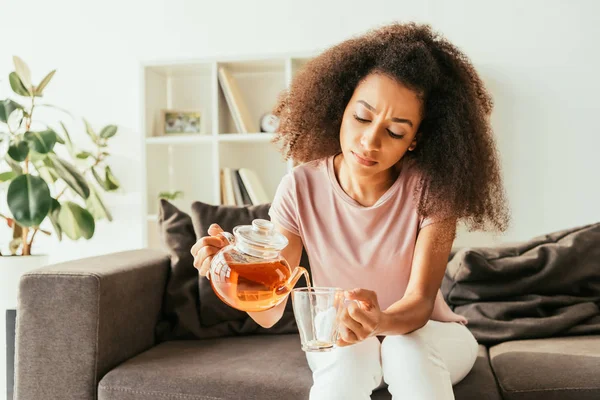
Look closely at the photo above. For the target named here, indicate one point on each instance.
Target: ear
(413, 145)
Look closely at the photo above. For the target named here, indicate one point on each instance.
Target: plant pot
(11, 270)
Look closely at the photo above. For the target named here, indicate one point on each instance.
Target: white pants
(421, 365)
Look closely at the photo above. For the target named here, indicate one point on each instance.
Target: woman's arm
(432, 249)
(292, 254)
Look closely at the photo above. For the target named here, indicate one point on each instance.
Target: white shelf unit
(192, 163)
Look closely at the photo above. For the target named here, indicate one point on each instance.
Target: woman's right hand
(206, 247)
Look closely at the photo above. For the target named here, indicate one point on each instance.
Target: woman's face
(379, 124)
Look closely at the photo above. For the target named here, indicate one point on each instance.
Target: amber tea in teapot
(254, 286)
(250, 274)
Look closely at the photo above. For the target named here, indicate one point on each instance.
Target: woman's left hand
(357, 323)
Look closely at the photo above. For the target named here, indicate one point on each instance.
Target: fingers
(347, 335)
(207, 241)
(205, 266)
(214, 230)
(203, 253)
(361, 317)
(355, 320)
(368, 298)
(212, 240)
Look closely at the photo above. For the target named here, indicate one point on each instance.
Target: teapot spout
(291, 282)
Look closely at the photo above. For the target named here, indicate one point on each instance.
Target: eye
(364, 121)
(359, 119)
(394, 135)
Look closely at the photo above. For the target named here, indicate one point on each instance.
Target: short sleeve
(284, 208)
(426, 221)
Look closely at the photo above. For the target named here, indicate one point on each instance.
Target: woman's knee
(346, 371)
(413, 368)
(411, 349)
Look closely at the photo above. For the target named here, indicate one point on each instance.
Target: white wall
(540, 58)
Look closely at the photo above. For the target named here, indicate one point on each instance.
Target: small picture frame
(181, 122)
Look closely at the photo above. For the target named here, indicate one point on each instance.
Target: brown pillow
(180, 302)
(192, 309)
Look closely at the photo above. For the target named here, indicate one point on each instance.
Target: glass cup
(317, 311)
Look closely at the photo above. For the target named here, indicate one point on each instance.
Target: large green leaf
(40, 88)
(53, 216)
(6, 107)
(28, 199)
(96, 205)
(42, 142)
(7, 176)
(75, 221)
(70, 175)
(23, 72)
(108, 131)
(19, 151)
(16, 84)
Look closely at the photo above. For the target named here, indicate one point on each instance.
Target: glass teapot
(249, 273)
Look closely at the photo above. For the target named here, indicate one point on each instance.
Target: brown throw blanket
(549, 286)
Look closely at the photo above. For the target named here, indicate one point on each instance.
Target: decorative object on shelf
(176, 122)
(239, 111)
(41, 184)
(269, 123)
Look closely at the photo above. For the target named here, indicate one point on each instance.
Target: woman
(393, 135)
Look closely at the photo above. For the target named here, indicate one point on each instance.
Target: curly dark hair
(456, 153)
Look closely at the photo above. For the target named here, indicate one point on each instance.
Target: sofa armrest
(79, 319)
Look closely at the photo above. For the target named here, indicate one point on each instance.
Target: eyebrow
(400, 120)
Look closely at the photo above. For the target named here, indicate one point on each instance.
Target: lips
(363, 160)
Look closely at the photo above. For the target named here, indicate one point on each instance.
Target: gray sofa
(86, 329)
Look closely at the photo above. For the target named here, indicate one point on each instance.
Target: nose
(369, 139)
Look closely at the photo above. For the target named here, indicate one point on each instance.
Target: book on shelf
(227, 194)
(237, 191)
(245, 196)
(239, 111)
(255, 189)
(242, 187)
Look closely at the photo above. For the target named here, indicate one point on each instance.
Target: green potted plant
(44, 176)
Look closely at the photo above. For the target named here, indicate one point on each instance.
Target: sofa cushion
(552, 368)
(191, 308)
(480, 383)
(248, 367)
(180, 310)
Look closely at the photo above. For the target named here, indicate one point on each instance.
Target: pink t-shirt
(350, 245)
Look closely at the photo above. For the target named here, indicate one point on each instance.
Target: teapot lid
(260, 239)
